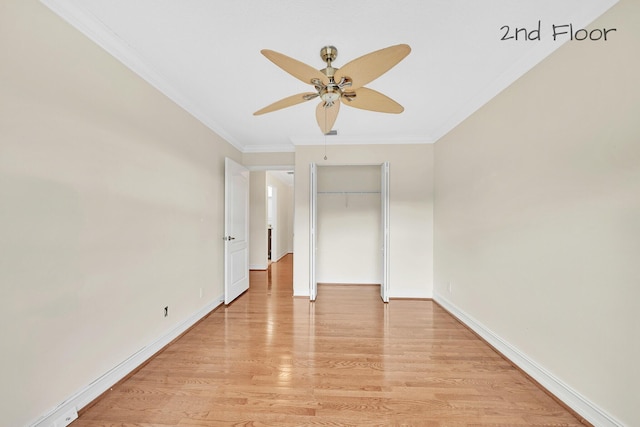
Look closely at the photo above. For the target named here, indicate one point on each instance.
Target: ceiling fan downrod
(328, 55)
(332, 92)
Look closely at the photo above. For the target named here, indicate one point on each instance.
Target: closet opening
(350, 215)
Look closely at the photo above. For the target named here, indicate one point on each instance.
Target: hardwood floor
(270, 359)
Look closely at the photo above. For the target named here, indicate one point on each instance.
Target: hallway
(270, 359)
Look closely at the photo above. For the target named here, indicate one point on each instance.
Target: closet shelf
(348, 192)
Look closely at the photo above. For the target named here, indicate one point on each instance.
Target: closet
(349, 225)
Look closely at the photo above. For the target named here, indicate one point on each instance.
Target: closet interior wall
(349, 225)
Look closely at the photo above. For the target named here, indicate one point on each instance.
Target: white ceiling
(205, 55)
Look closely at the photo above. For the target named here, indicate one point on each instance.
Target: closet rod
(348, 192)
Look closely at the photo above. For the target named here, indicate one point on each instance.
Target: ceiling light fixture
(344, 85)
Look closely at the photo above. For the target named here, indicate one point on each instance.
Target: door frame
(274, 221)
(384, 219)
(313, 223)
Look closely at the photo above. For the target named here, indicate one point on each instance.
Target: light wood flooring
(270, 359)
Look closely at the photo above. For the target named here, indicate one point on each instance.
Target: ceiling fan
(335, 85)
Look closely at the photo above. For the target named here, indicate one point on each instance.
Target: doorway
(271, 217)
(349, 226)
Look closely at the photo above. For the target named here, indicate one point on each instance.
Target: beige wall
(537, 215)
(111, 207)
(411, 211)
(289, 191)
(263, 160)
(258, 220)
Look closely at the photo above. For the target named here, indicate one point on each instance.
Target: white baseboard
(410, 293)
(62, 415)
(585, 408)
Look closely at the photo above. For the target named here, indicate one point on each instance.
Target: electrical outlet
(166, 311)
(201, 293)
(449, 287)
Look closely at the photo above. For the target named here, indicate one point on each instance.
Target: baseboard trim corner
(571, 398)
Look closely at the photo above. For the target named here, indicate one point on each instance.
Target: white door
(313, 213)
(384, 193)
(236, 226)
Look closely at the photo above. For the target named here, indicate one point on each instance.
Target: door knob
(227, 238)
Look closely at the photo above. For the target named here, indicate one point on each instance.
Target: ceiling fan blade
(369, 99)
(327, 116)
(369, 67)
(287, 102)
(297, 69)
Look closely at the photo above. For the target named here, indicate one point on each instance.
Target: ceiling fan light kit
(340, 85)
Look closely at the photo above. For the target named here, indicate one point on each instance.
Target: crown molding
(288, 148)
(96, 31)
(339, 140)
(542, 50)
